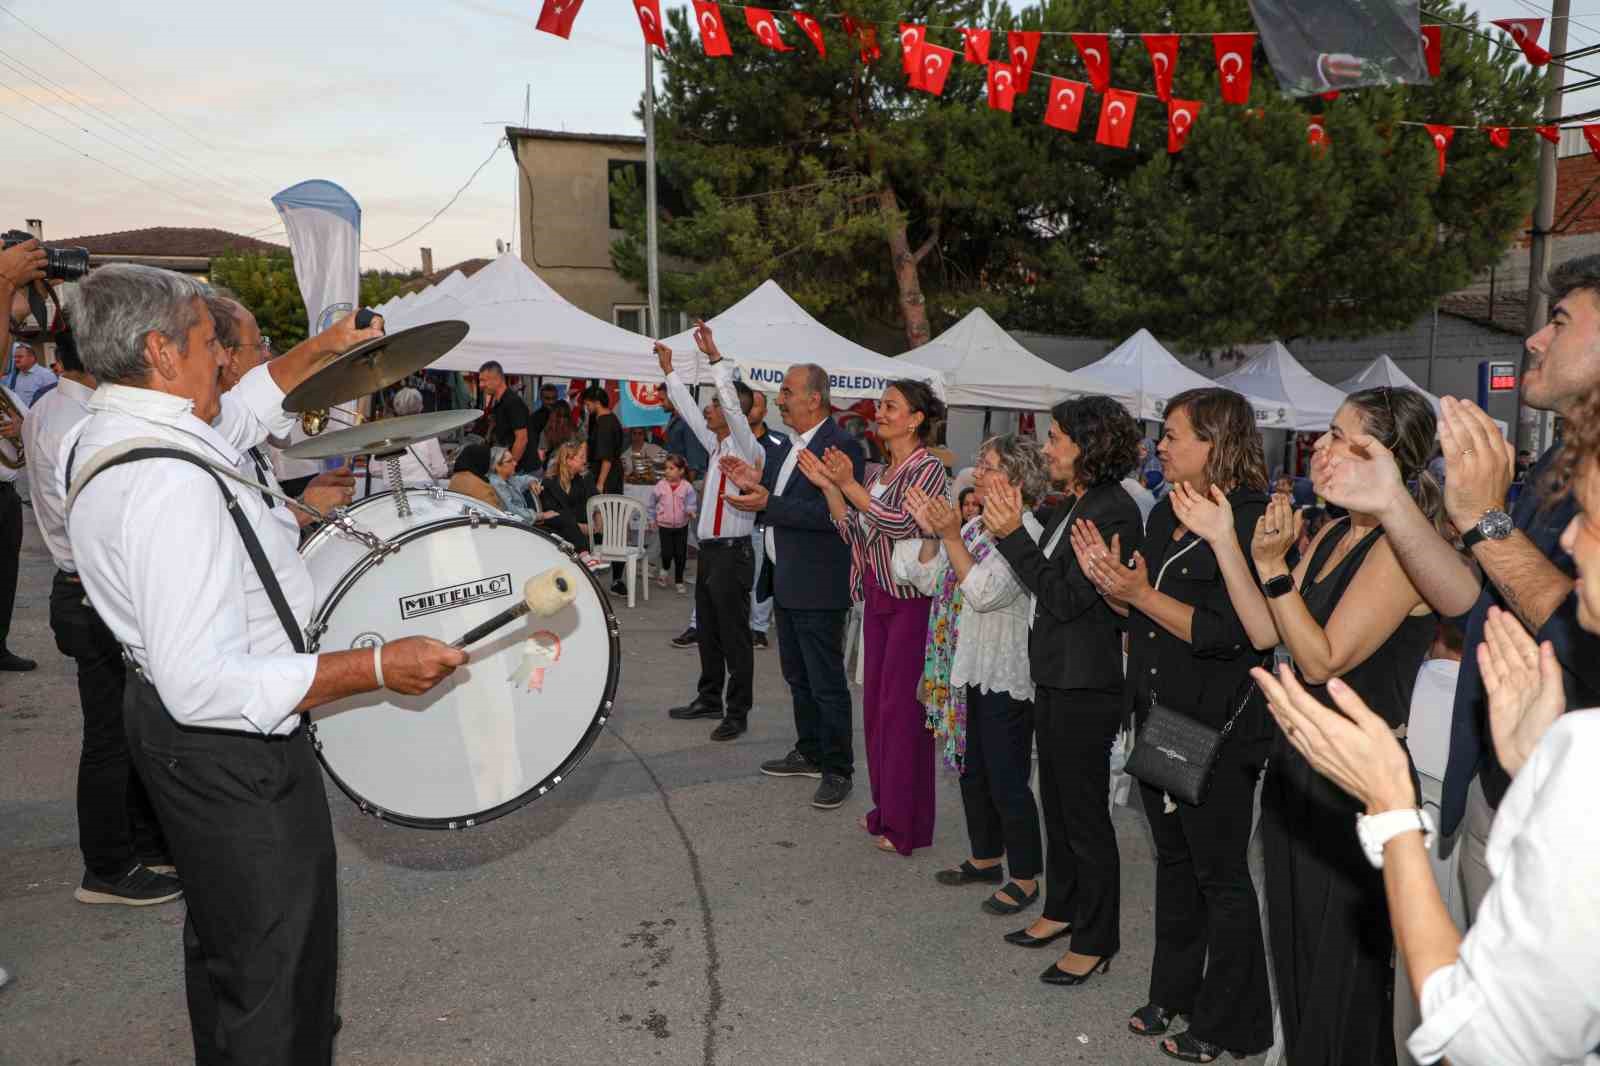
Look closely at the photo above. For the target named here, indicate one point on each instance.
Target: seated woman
(472, 475)
(565, 494)
(511, 486)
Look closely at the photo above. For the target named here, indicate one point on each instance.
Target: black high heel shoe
(1189, 1048)
(1055, 975)
(1022, 939)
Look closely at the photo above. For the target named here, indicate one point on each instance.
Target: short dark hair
(598, 394)
(1575, 275)
(961, 500)
(1106, 435)
(920, 398)
(747, 399)
(225, 317)
(492, 365)
(1225, 420)
(547, 387)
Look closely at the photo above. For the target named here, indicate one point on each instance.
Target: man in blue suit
(808, 570)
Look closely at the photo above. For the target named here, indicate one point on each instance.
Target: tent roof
(767, 332)
(1276, 375)
(1153, 375)
(985, 367)
(1384, 371)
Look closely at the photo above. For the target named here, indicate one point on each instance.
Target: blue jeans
(811, 655)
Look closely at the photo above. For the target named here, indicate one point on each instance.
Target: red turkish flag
(765, 27)
(1499, 136)
(1526, 33)
(911, 38)
(1591, 133)
(1549, 133)
(935, 68)
(1433, 48)
(1317, 133)
(557, 16)
(1235, 61)
(813, 30)
(1065, 107)
(1442, 136)
(1095, 51)
(1116, 117)
(866, 38)
(713, 33)
(649, 12)
(1331, 94)
(975, 44)
(1163, 49)
(1180, 120)
(1024, 48)
(1002, 86)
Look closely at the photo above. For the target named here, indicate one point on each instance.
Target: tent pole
(651, 271)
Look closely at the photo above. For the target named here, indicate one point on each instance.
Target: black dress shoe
(687, 639)
(728, 729)
(694, 710)
(792, 765)
(1055, 975)
(1023, 939)
(833, 791)
(1010, 899)
(968, 874)
(15, 663)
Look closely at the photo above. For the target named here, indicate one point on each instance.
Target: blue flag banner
(642, 404)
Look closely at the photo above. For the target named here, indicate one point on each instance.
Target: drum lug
(314, 633)
(474, 519)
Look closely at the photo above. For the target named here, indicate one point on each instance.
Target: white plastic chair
(618, 516)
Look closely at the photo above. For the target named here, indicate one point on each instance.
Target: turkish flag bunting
(813, 30)
(765, 27)
(713, 34)
(1235, 61)
(1331, 94)
(1442, 136)
(1180, 120)
(557, 16)
(935, 68)
(1591, 133)
(1002, 86)
(1432, 48)
(1024, 48)
(1317, 133)
(1066, 104)
(649, 12)
(1116, 117)
(911, 38)
(1499, 136)
(1163, 49)
(975, 44)
(1549, 133)
(1526, 33)
(1095, 50)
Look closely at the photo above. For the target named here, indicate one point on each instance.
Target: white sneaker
(663, 581)
(683, 589)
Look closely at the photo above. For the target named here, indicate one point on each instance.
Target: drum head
(502, 730)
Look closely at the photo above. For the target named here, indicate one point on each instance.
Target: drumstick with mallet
(542, 594)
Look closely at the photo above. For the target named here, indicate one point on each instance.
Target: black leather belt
(724, 542)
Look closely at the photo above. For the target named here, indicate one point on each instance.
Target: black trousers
(1209, 960)
(1083, 880)
(811, 655)
(248, 823)
(10, 551)
(1002, 817)
(116, 824)
(674, 550)
(722, 623)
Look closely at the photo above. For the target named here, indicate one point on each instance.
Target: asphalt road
(668, 904)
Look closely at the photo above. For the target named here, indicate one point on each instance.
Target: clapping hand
(837, 463)
(934, 514)
(1478, 462)
(1002, 511)
(1367, 481)
(745, 476)
(1276, 531)
(1524, 685)
(1210, 519)
(1102, 564)
(752, 500)
(814, 470)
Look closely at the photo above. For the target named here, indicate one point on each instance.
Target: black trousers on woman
(1209, 961)
(1001, 815)
(1083, 879)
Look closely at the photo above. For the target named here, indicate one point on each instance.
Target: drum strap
(252, 543)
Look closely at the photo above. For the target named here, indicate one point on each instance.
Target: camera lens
(66, 264)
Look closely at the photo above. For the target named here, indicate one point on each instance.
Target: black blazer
(1076, 640)
(812, 572)
(1208, 676)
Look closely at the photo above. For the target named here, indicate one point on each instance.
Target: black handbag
(1176, 754)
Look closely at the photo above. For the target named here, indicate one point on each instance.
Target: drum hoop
(596, 723)
(327, 530)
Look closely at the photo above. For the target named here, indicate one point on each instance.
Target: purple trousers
(899, 746)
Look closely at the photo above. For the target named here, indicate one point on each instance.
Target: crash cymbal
(382, 436)
(375, 364)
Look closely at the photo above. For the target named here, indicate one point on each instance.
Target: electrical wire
(498, 145)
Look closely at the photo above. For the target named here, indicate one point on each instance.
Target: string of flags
(927, 67)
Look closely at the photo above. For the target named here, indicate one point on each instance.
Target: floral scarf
(947, 705)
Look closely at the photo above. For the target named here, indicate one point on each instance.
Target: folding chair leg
(628, 571)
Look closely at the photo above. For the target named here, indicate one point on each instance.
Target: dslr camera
(60, 264)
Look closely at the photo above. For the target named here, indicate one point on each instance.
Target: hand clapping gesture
(814, 469)
(1523, 682)
(933, 514)
(1478, 462)
(1368, 481)
(745, 476)
(837, 463)
(1277, 530)
(1209, 519)
(1002, 511)
(1102, 565)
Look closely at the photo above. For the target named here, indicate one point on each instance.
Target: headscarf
(473, 459)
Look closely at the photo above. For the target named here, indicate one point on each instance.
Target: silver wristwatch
(1494, 525)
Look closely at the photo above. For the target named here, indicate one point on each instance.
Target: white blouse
(1525, 990)
(992, 631)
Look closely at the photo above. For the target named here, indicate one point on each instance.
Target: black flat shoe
(1055, 975)
(1156, 1020)
(968, 874)
(728, 729)
(1020, 900)
(694, 710)
(1188, 1048)
(1022, 939)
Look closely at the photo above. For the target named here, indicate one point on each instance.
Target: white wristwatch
(1376, 830)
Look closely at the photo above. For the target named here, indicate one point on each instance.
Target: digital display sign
(1502, 377)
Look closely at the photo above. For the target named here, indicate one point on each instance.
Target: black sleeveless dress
(1332, 947)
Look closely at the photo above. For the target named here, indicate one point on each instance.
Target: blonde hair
(563, 453)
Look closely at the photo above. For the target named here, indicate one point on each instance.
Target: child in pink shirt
(673, 506)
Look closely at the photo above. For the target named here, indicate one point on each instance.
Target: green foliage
(1248, 233)
(266, 285)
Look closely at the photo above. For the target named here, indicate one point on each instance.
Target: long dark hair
(1404, 423)
(559, 429)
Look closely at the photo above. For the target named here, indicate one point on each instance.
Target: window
(636, 319)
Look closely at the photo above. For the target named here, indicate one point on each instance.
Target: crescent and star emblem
(1182, 119)
(1020, 54)
(908, 38)
(933, 63)
(1065, 98)
(1116, 110)
(1224, 63)
(1160, 60)
(1438, 141)
(1002, 80)
(1095, 52)
(708, 22)
(647, 17)
(764, 30)
(1519, 32)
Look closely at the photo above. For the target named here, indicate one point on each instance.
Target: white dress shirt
(47, 424)
(717, 518)
(1525, 990)
(7, 475)
(166, 569)
(791, 459)
(28, 382)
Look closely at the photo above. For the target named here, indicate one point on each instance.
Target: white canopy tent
(984, 367)
(1141, 368)
(1274, 374)
(1383, 371)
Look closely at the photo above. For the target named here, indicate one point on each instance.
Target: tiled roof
(169, 241)
(1509, 312)
(468, 267)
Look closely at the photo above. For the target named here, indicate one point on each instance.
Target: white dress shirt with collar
(1526, 987)
(166, 569)
(27, 383)
(8, 475)
(717, 518)
(47, 424)
(791, 459)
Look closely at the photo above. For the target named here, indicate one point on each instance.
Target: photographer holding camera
(21, 264)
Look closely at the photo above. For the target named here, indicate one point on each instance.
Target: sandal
(1153, 1020)
(886, 845)
(967, 874)
(1186, 1047)
(1012, 891)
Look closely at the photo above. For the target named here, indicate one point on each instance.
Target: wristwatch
(1281, 585)
(1376, 830)
(1494, 525)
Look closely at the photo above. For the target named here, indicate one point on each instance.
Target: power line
(499, 145)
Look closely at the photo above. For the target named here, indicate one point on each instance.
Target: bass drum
(502, 730)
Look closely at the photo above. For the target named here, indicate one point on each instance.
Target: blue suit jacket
(812, 571)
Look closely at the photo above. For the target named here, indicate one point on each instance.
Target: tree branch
(927, 246)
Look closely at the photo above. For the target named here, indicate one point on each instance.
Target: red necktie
(716, 521)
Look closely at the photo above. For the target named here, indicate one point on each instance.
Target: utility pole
(652, 278)
(1544, 212)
